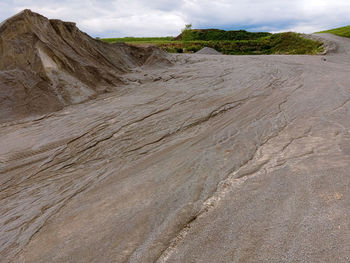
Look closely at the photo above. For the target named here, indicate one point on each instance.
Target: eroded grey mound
(47, 64)
(208, 51)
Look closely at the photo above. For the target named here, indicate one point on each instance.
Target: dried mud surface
(213, 159)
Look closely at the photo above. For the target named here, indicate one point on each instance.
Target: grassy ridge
(252, 43)
(294, 44)
(283, 43)
(341, 31)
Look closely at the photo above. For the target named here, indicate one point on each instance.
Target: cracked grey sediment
(214, 159)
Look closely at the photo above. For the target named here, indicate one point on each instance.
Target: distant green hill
(341, 31)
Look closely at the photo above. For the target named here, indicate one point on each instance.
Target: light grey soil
(215, 159)
(208, 51)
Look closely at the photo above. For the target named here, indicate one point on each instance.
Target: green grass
(341, 31)
(252, 43)
(139, 39)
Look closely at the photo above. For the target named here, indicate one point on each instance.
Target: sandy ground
(215, 159)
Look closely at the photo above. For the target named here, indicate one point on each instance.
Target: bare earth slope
(208, 51)
(215, 159)
(48, 64)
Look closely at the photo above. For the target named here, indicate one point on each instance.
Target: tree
(188, 27)
(186, 32)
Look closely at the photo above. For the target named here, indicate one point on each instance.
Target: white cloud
(167, 17)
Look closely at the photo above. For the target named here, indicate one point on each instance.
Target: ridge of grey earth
(210, 159)
(208, 51)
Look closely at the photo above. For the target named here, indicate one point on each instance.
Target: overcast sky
(118, 18)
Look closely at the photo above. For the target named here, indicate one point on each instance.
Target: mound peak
(208, 51)
(47, 64)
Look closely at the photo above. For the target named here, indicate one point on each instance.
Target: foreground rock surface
(215, 159)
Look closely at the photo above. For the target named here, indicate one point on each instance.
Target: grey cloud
(156, 18)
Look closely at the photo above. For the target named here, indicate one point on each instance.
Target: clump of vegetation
(341, 31)
(240, 42)
(189, 34)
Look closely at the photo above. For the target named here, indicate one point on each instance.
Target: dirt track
(215, 159)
